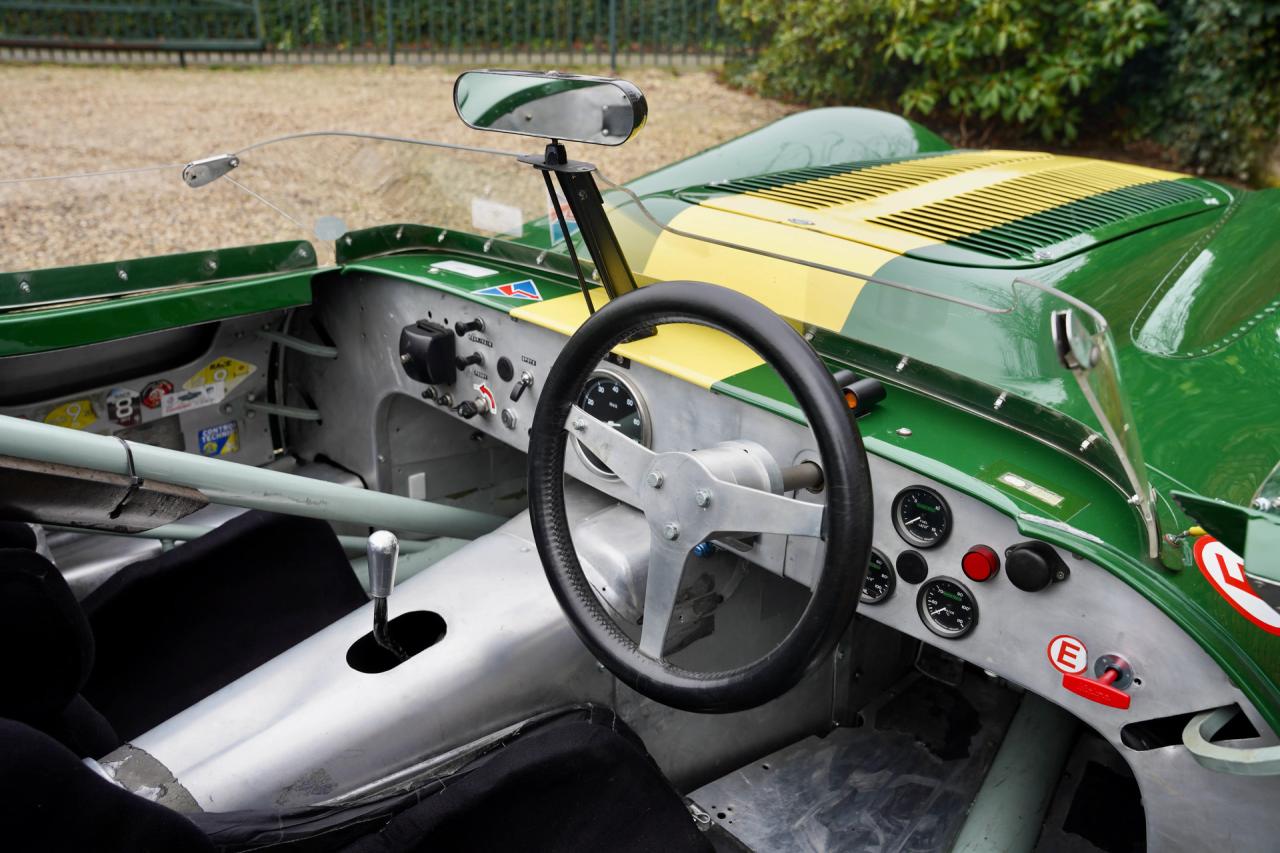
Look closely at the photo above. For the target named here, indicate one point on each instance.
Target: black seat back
(47, 655)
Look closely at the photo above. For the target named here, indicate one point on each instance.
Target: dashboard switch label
(1224, 570)
(1068, 655)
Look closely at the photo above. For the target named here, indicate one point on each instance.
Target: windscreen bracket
(1084, 354)
(198, 173)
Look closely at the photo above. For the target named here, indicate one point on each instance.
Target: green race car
(831, 489)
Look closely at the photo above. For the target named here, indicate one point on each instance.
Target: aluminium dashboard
(1014, 629)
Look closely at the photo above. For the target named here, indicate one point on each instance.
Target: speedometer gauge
(610, 398)
(921, 516)
(879, 582)
(947, 608)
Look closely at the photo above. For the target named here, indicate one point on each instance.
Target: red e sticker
(1068, 655)
(1224, 570)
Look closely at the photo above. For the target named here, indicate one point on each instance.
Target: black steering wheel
(688, 498)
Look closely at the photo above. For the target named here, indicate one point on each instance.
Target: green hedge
(1202, 77)
(1213, 94)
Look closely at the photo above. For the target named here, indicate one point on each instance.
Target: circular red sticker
(1224, 570)
(154, 393)
(1068, 655)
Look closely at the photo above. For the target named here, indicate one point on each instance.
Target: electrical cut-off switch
(1114, 676)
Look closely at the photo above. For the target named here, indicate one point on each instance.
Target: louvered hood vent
(845, 183)
(978, 208)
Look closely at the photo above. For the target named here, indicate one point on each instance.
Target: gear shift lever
(383, 550)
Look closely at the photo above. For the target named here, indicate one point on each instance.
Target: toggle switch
(526, 379)
(1114, 675)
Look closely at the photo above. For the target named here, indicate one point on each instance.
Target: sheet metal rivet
(903, 431)
(580, 425)
(702, 497)
(654, 479)
(671, 531)
(24, 286)
(122, 275)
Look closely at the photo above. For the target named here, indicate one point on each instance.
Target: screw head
(671, 531)
(24, 286)
(580, 425)
(903, 431)
(654, 479)
(702, 497)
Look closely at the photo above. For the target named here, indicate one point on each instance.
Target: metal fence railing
(557, 32)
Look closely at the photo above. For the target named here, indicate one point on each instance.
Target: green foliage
(1030, 64)
(1213, 96)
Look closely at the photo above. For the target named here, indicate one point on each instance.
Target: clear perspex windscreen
(305, 195)
(991, 328)
(315, 188)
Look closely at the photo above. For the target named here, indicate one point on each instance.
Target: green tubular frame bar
(233, 484)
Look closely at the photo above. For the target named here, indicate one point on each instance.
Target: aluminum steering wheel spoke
(740, 509)
(626, 458)
(667, 559)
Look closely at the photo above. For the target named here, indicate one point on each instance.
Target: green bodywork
(1191, 296)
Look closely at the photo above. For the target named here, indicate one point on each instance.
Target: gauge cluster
(942, 577)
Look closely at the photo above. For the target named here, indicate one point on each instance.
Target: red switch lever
(1098, 689)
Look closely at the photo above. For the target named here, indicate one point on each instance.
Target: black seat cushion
(48, 649)
(173, 629)
(51, 802)
(17, 534)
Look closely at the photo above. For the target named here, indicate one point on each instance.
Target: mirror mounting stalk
(578, 186)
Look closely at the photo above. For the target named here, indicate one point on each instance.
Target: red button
(980, 563)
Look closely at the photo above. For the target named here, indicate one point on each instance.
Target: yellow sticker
(224, 369)
(77, 414)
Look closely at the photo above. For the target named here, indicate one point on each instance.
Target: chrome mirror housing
(551, 105)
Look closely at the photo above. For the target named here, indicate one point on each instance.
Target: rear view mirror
(564, 107)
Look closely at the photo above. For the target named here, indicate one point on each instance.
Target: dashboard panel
(944, 573)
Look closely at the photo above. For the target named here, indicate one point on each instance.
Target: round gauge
(947, 608)
(879, 582)
(609, 398)
(921, 516)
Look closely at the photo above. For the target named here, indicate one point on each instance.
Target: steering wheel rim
(846, 520)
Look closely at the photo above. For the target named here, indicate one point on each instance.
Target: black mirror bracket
(578, 186)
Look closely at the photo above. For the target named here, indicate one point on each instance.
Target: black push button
(912, 566)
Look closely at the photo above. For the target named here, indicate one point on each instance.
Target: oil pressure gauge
(879, 582)
(947, 608)
(921, 517)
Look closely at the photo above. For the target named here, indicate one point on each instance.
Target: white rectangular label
(192, 398)
(464, 268)
(1040, 493)
(496, 217)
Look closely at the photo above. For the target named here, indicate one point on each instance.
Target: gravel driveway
(61, 120)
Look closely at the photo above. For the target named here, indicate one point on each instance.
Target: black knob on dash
(1032, 566)
(463, 327)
